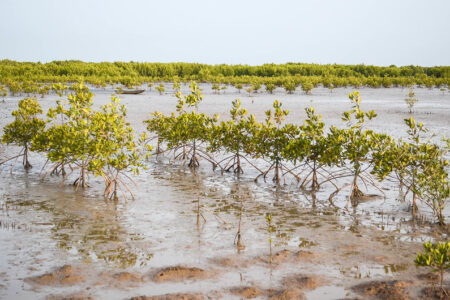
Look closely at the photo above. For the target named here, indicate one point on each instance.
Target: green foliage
(25, 127)
(115, 149)
(314, 150)
(307, 86)
(436, 257)
(186, 132)
(3, 92)
(233, 136)
(358, 143)
(269, 140)
(411, 100)
(216, 88)
(270, 87)
(176, 86)
(69, 140)
(160, 88)
(256, 85)
(289, 86)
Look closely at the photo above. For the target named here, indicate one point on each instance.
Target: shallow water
(45, 225)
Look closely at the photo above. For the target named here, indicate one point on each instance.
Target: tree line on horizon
(34, 76)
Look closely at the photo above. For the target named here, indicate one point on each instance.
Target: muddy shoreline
(57, 243)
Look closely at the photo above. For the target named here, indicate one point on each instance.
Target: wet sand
(58, 243)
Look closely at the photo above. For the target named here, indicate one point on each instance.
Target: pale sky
(378, 32)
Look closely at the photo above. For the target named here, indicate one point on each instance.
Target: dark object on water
(133, 92)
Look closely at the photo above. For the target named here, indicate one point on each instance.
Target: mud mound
(281, 257)
(302, 282)
(172, 297)
(436, 293)
(277, 258)
(126, 277)
(65, 275)
(288, 294)
(229, 262)
(305, 256)
(385, 290)
(247, 292)
(179, 273)
(80, 296)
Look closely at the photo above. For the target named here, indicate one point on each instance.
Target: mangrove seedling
(358, 145)
(24, 129)
(307, 86)
(160, 88)
(239, 87)
(216, 88)
(436, 257)
(289, 86)
(233, 136)
(3, 92)
(270, 230)
(269, 141)
(411, 100)
(270, 87)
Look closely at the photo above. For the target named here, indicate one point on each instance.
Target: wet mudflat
(58, 243)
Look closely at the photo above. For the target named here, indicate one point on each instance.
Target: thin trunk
(83, 176)
(277, 175)
(315, 183)
(198, 212)
(239, 244)
(26, 163)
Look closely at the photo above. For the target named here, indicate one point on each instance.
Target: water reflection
(84, 226)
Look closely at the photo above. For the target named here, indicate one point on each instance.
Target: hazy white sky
(379, 32)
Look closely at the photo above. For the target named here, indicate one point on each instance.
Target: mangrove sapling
(216, 88)
(239, 87)
(116, 151)
(289, 86)
(233, 136)
(150, 85)
(411, 100)
(256, 85)
(224, 88)
(410, 156)
(68, 141)
(59, 89)
(433, 182)
(3, 92)
(160, 88)
(159, 124)
(358, 146)
(176, 86)
(249, 90)
(269, 141)
(307, 86)
(436, 257)
(23, 130)
(44, 90)
(313, 151)
(270, 87)
(186, 132)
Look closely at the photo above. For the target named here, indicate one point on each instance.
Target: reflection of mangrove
(99, 236)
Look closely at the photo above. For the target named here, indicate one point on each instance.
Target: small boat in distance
(132, 92)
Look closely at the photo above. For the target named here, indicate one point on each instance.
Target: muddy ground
(56, 243)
